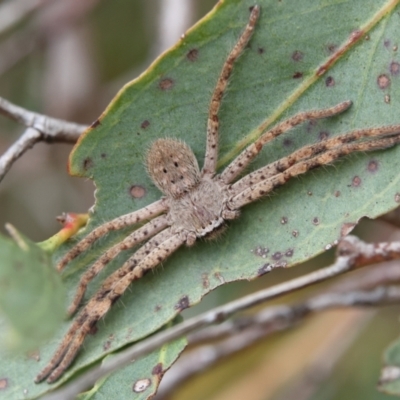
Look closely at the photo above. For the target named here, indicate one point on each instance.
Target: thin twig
(352, 253)
(40, 128)
(248, 330)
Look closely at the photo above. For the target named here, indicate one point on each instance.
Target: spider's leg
(143, 233)
(123, 221)
(211, 157)
(262, 188)
(104, 299)
(237, 166)
(308, 152)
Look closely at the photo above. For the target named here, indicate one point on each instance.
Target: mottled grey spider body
(197, 203)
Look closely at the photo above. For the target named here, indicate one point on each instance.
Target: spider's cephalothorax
(196, 203)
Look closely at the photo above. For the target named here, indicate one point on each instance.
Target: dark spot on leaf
(289, 252)
(166, 84)
(95, 124)
(260, 251)
(87, 163)
(323, 136)
(284, 220)
(192, 55)
(93, 330)
(383, 81)
(137, 191)
(397, 197)
(205, 280)
(280, 264)
(297, 55)
(394, 68)
(337, 193)
(329, 81)
(145, 124)
(386, 43)
(311, 125)
(315, 221)
(297, 75)
(141, 385)
(3, 383)
(356, 181)
(182, 304)
(158, 369)
(157, 308)
(287, 142)
(347, 228)
(373, 166)
(103, 155)
(331, 48)
(264, 269)
(260, 50)
(310, 193)
(108, 342)
(277, 255)
(34, 355)
(295, 233)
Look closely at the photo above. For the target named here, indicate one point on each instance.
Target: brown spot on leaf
(145, 124)
(277, 255)
(260, 50)
(297, 56)
(337, 193)
(329, 81)
(219, 277)
(3, 383)
(297, 75)
(383, 81)
(137, 191)
(264, 269)
(295, 233)
(192, 55)
(356, 181)
(260, 251)
(289, 252)
(205, 280)
(158, 369)
(284, 220)
(108, 342)
(386, 43)
(141, 385)
(331, 47)
(347, 228)
(87, 163)
(315, 221)
(95, 124)
(166, 84)
(394, 68)
(93, 330)
(397, 197)
(373, 166)
(182, 304)
(386, 99)
(157, 308)
(287, 142)
(323, 136)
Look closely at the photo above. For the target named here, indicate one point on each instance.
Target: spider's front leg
(163, 244)
(123, 221)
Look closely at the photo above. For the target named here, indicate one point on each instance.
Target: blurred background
(67, 60)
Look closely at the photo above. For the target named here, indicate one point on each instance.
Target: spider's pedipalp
(143, 233)
(211, 157)
(237, 166)
(110, 291)
(262, 188)
(308, 152)
(123, 221)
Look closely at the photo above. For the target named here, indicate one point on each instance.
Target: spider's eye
(176, 164)
(172, 181)
(181, 177)
(165, 171)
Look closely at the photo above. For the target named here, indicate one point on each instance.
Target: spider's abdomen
(173, 167)
(199, 212)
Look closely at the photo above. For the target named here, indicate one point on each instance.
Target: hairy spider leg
(307, 152)
(211, 157)
(238, 165)
(262, 188)
(143, 233)
(148, 212)
(110, 291)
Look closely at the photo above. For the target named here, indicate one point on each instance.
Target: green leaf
(32, 296)
(275, 78)
(390, 375)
